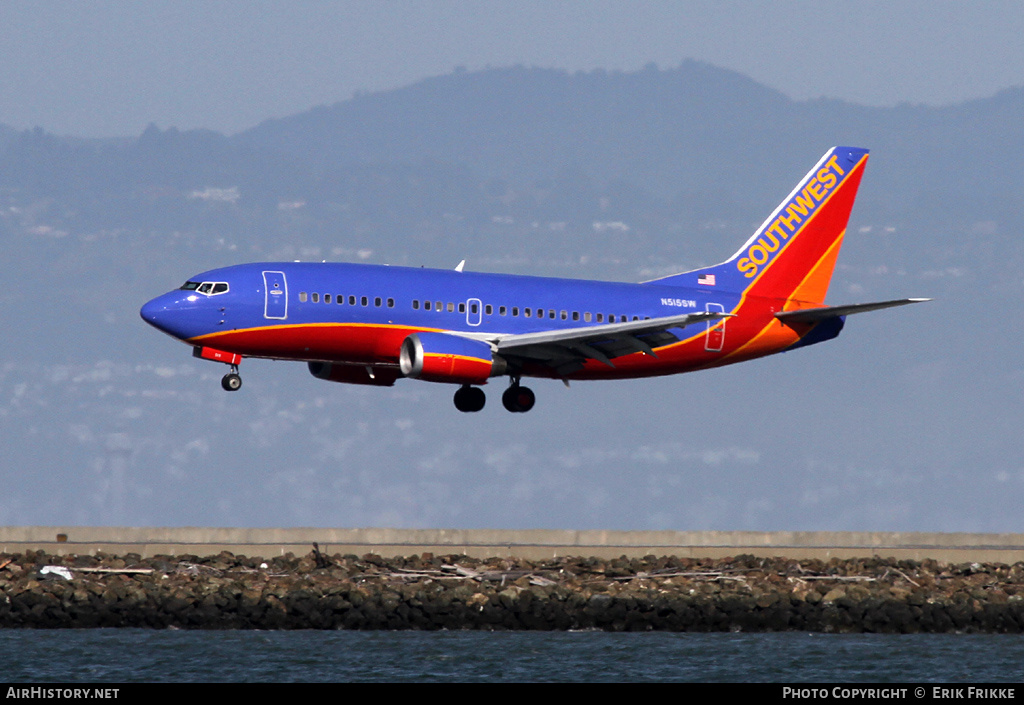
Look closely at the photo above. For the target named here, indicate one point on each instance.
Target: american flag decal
(708, 279)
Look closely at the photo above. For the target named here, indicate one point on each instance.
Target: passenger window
(551, 313)
(426, 305)
(364, 301)
(565, 315)
(451, 307)
(540, 313)
(515, 310)
(303, 296)
(351, 301)
(415, 304)
(586, 316)
(462, 308)
(316, 298)
(526, 312)
(611, 318)
(327, 298)
(502, 311)
(377, 302)
(339, 299)
(391, 303)
(474, 308)
(438, 306)
(575, 315)
(488, 309)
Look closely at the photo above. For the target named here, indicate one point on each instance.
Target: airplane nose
(168, 313)
(157, 313)
(150, 312)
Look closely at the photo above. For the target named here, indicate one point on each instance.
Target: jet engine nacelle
(354, 374)
(440, 357)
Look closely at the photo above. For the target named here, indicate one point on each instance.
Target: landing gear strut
(232, 381)
(470, 398)
(518, 399)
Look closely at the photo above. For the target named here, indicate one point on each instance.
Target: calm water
(127, 655)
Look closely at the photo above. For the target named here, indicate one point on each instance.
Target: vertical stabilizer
(793, 253)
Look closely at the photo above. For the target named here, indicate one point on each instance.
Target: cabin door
(276, 288)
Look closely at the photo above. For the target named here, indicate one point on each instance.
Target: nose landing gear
(232, 381)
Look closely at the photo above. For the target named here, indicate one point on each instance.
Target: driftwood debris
(113, 571)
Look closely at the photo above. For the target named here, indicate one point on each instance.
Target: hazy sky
(109, 67)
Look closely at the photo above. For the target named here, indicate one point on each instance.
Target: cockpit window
(208, 288)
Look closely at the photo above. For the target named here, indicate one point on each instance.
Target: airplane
(373, 324)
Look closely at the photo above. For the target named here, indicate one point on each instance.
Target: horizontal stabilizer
(813, 315)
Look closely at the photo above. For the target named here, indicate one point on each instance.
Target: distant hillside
(663, 130)
(695, 129)
(661, 149)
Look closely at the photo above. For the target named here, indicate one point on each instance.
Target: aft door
(714, 339)
(276, 288)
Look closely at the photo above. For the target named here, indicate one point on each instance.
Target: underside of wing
(567, 349)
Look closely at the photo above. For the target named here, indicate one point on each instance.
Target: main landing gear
(470, 398)
(517, 399)
(232, 381)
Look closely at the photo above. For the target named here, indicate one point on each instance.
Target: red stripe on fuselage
(335, 342)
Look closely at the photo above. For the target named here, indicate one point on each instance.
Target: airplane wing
(567, 349)
(813, 315)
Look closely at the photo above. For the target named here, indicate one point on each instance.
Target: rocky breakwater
(455, 592)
